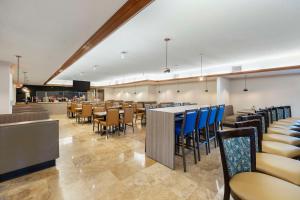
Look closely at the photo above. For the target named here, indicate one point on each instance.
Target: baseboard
(26, 170)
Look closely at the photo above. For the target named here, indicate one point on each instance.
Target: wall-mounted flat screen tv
(81, 86)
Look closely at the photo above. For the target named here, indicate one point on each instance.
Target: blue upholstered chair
(201, 130)
(219, 118)
(211, 126)
(186, 130)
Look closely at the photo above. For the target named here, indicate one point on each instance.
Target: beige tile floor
(91, 167)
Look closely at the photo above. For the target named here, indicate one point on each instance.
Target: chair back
(128, 115)
(202, 118)
(212, 115)
(265, 120)
(220, 113)
(237, 148)
(274, 114)
(280, 113)
(256, 123)
(124, 105)
(87, 110)
(287, 111)
(99, 109)
(257, 116)
(189, 121)
(73, 106)
(108, 105)
(112, 117)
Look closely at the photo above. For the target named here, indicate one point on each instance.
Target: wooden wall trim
(125, 13)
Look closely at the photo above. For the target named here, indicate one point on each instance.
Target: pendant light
(18, 84)
(134, 89)
(166, 69)
(178, 91)
(245, 89)
(158, 88)
(206, 89)
(201, 78)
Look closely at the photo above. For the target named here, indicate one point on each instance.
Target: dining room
(150, 99)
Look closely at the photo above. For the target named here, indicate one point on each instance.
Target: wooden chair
(86, 113)
(274, 165)
(280, 146)
(112, 120)
(69, 112)
(73, 110)
(238, 155)
(138, 113)
(127, 118)
(97, 119)
(108, 105)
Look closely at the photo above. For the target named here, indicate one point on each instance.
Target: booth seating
(20, 155)
(241, 178)
(282, 167)
(229, 117)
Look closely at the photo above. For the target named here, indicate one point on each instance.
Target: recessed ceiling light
(95, 68)
(123, 53)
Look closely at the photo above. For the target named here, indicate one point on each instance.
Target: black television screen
(81, 86)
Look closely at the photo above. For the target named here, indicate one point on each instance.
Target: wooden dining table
(103, 114)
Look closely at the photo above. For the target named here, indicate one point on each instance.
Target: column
(6, 88)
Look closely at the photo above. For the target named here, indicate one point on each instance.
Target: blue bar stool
(186, 130)
(211, 126)
(201, 129)
(219, 118)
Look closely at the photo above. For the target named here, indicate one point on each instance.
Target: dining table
(104, 113)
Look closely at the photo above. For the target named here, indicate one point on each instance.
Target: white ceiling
(47, 33)
(255, 34)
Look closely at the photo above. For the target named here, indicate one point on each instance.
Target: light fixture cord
(205, 83)
(166, 53)
(245, 82)
(18, 58)
(201, 65)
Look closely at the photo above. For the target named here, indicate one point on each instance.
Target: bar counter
(160, 133)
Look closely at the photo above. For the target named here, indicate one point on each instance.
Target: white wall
(268, 91)
(6, 86)
(189, 92)
(223, 91)
(138, 93)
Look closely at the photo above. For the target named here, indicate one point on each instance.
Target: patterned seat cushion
(258, 186)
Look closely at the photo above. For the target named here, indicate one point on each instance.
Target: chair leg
(93, 126)
(198, 143)
(226, 192)
(183, 153)
(132, 127)
(207, 139)
(215, 135)
(194, 147)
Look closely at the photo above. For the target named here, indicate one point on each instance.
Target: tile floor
(91, 167)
